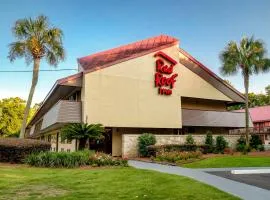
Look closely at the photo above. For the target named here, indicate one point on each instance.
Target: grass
(21, 182)
(231, 161)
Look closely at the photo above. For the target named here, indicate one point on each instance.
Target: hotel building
(150, 86)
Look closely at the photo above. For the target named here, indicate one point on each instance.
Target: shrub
(102, 159)
(73, 159)
(260, 148)
(190, 140)
(144, 141)
(59, 159)
(15, 150)
(153, 150)
(255, 141)
(176, 156)
(221, 144)
(241, 143)
(209, 142)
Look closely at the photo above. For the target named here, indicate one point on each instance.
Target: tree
(267, 90)
(36, 39)
(11, 115)
(82, 132)
(249, 56)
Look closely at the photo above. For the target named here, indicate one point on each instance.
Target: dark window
(69, 141)
(191, 130)
(49, 138)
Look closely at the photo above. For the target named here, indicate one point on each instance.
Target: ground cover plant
(231, 161)
(15, 150)
(21, 183)
(73, 159)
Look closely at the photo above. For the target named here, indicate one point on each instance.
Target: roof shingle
(122, 53)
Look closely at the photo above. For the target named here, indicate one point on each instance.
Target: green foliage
(255, 141)
(221, 144)
(11, 115)
(176, 156)
(241, 144)
(73, 159)
(209, 141)
(16, 150)
(190, 139)
(267, 90)
(145, 140)
(82, 132)
(36, 39)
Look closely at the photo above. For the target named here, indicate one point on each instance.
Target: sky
(204, 27)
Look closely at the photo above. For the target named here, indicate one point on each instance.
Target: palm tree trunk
(30, 96)
(246, 83)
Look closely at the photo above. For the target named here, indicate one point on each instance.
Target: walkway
(241, 190)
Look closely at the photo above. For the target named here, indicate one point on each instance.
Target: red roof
(259, 114)
(110, 57)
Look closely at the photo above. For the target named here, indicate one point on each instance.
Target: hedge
(15, 150)
(153, 149)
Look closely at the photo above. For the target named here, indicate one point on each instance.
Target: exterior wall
(129, 141)
(199, 104)
(62, 146)
(124, 95)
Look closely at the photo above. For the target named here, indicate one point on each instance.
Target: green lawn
(22, 182)
(231, 161)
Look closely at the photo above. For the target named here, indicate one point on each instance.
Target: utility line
(41, 70)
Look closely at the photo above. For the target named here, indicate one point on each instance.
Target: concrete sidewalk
(241, 190)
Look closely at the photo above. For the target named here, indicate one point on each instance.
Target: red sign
(164, 76)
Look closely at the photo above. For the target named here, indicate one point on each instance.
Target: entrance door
(104, 145)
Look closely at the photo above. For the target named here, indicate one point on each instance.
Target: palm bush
(82, 132)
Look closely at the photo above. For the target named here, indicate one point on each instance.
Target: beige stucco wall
(124, 95)
(130, 148)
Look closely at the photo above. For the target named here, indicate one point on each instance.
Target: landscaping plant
(145, 140)
(221, 144)
(15, 150)
(255, 141)
(241, 144)
(190, 139)
(209, 142)
(176, 157)
(82, 132)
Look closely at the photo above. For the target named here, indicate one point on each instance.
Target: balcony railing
(254, 130)
(63, 112)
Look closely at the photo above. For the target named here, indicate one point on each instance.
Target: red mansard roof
(259, 114)
(110, 57)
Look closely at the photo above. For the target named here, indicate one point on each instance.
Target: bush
(153, 150)
(59, 159)
(15, 150)
(260, 148)
(144, 141)
(221, 144)
(190, 140)
(176, 156)
(241, 144)
(73, 159)
(255, 141)
(209, 142)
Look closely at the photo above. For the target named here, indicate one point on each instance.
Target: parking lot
(258, 180)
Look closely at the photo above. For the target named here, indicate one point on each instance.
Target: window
(191, 130)
(54, 149)
(69, 141)
(49, 138)
(68, 150)
(62, 149)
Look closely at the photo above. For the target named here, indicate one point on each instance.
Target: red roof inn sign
(164, 76)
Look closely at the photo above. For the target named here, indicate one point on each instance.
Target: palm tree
(82, 132)
(36, 39)
(249, 57)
